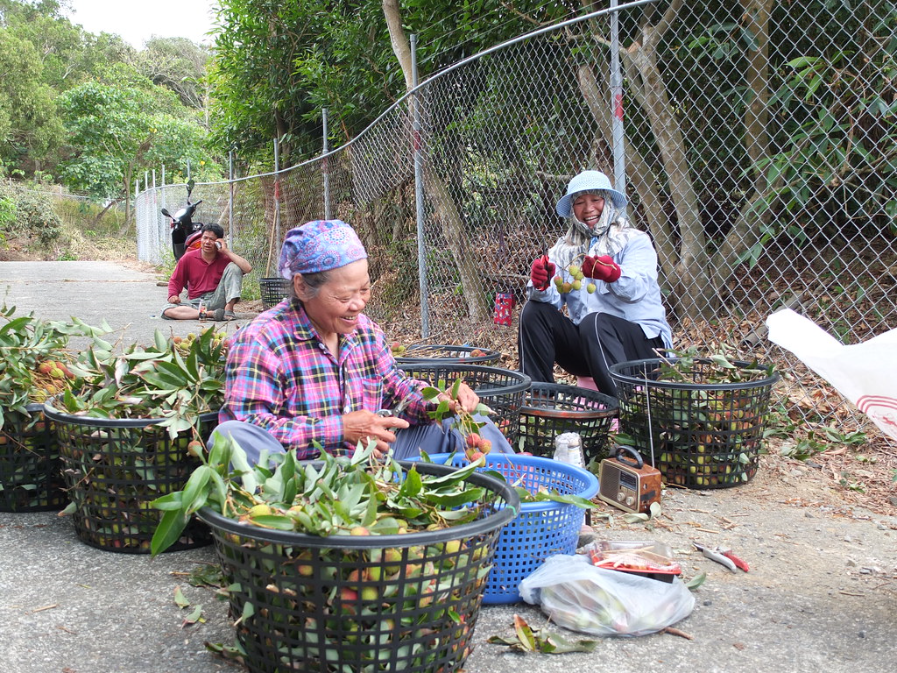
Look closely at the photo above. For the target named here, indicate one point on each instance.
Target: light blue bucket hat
(588, 181)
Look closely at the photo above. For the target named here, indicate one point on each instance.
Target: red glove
(541, 272)
(601, 268)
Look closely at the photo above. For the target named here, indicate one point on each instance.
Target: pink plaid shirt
(280, 377)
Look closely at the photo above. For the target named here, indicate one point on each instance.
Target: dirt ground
(836, 474)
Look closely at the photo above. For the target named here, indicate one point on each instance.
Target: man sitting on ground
(213, 276)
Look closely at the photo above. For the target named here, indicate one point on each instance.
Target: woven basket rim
(612, 403)
(589, 491)
(490, 522)
(523, 381)
(64, 417)
(679, 385)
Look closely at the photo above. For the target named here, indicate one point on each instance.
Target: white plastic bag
(865, 373)
(578, 596)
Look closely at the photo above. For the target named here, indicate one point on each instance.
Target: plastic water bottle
(568, 449)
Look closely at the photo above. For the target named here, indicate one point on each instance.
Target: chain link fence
(760, 154)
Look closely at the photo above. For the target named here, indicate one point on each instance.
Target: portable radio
(630, 486)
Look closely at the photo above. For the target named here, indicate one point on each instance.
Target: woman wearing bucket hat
(316, 369)
(615, 312)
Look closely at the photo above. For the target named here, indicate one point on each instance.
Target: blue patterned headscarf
(317, 246)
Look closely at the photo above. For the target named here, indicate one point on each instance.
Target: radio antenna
(650, 425)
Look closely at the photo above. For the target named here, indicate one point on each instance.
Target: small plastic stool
(586, 382)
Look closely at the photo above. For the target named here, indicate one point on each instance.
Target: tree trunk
(746, 231)
(129, 173)
(437, 192)
(690, 280)
(640, 175)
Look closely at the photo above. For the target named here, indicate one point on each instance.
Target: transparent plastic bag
(580, 597)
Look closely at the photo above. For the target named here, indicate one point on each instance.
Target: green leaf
(722, 361)
(457, 499)
(193, 617)
(430, 393)
(197, 482)
(71, 508)
(276, 521)
(542, 496)
(169, 503)
(524, 634)
(179, 599)
(168, 531)
(162, 344)
(412, 484)
(456, 386)
(248, 612)
(696, 581)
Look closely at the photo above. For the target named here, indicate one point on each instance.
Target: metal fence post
(616, 89)
(325, 168)
(230, 199)
(277, 196)
(419, 196)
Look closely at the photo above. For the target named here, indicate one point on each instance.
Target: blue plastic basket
(541, 529)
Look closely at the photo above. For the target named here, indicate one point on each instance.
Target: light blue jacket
(635, 296)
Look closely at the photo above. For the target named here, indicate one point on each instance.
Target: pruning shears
(397, 411)
(724, 557)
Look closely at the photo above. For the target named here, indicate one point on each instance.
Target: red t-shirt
(198, 276)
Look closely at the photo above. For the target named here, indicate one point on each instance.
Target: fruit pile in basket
(703, 417)
(34, 362)
(346, 563)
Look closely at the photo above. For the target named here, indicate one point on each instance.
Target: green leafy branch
(31, 350)
(159, 381)
(333, 496)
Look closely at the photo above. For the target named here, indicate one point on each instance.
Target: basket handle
(620, 454)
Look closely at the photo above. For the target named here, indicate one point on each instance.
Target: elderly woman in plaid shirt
(315, 369)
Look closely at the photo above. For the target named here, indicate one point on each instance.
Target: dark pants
(432, 438)
(547, 337)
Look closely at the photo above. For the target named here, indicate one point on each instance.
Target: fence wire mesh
(760, 151)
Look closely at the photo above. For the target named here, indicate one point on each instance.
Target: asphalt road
(127, 298)
(821, 595)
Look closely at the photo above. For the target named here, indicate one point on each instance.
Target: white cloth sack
(866, 373)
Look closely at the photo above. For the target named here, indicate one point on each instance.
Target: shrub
(26, 213)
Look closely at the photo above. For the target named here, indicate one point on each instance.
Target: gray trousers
(431, 438)
(230, 287)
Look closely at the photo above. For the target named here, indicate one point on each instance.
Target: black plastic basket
(355, 603)
(443, 354)
(551, 409)
(30, 469)
(114, 468)
(502, 390)
(273, 291)
(705, 435)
